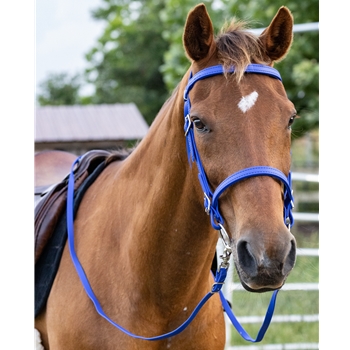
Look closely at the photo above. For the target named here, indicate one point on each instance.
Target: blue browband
(211, 205)
(219, 69)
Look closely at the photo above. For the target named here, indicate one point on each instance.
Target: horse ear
(198, 34)
(278, 36)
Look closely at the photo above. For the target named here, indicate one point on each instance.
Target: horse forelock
(238, 47)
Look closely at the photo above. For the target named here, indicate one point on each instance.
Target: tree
(124, 64)
(60, 89)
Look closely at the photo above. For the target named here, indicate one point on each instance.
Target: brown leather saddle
(51, 200)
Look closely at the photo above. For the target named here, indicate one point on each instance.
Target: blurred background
(65, 32)
(104, 51)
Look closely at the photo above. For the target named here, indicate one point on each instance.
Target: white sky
(65, 32)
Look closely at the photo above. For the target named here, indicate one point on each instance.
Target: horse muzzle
(264, 268)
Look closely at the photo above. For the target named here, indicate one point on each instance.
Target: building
(78, 128)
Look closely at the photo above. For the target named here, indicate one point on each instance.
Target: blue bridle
(211, 200)
(211, 204)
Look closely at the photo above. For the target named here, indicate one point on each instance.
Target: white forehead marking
(248, 101)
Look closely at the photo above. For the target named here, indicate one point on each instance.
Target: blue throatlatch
(211, 204)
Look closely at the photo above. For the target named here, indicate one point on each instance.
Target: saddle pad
(47, 265)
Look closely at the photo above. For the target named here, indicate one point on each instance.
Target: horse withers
(142, 235)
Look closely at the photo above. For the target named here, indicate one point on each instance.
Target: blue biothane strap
(240, 329)
(219, 280)
(242, 175)
(219, 69)
(193, 154)
(211, 200)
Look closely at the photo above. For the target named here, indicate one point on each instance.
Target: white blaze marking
(248, 101)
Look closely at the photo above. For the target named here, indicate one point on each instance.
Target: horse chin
(257, 289)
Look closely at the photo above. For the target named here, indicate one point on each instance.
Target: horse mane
(119, 154)
(238, 47)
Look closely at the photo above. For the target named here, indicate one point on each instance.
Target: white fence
(231, 287)
(297, 28)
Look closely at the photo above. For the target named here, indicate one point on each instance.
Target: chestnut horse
(142, 235)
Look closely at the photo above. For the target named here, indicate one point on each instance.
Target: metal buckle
(189, 124)
(207, 209)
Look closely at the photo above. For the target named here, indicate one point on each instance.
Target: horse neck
(172, 230)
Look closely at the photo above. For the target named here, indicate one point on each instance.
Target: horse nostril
(290, 260)
(246, 259)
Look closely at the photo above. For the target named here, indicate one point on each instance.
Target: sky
(64, 32)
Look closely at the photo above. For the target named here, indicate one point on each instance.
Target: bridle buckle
(208, 202)
(188, 119)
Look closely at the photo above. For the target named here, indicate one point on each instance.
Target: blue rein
(211, 205)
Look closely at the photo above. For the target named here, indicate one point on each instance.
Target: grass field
(288, 302)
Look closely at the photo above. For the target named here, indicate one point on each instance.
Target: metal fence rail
(291, 346)
(297, 28)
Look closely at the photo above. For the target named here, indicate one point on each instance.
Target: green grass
(288, 302)
(281, 333)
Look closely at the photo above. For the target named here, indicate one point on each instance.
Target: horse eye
(200, 126)
(291, 121)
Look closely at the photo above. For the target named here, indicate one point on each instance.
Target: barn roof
(89, 123)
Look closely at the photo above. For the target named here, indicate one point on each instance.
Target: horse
(143, 238)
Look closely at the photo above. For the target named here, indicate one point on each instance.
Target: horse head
(242, 120)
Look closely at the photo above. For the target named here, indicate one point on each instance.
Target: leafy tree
(60, 89)
(124, 64)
